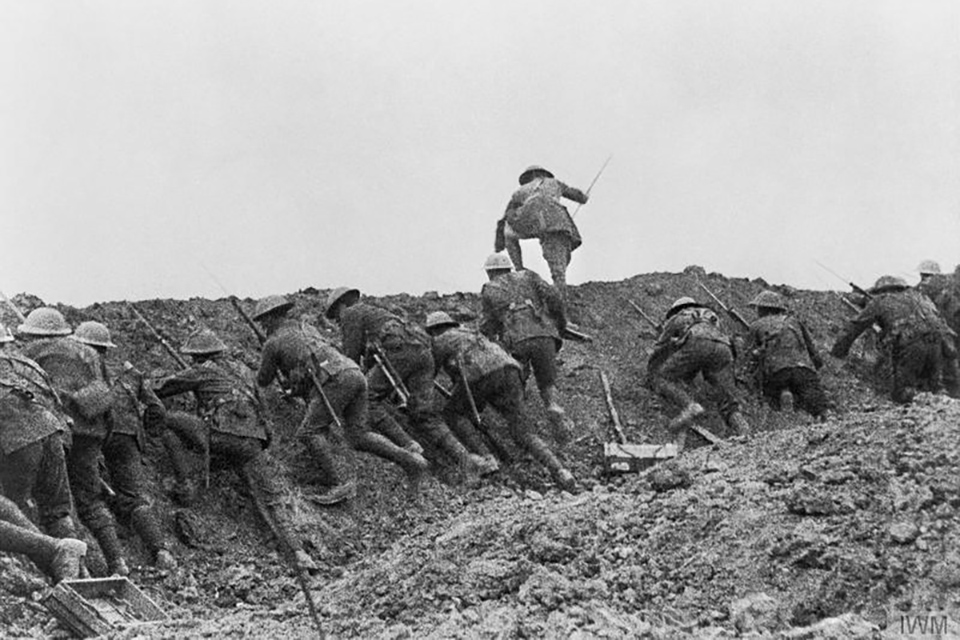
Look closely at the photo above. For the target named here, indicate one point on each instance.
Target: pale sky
(375, 143)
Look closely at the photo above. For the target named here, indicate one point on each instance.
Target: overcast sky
(375, 143)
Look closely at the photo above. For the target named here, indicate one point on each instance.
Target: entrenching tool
(622, 457)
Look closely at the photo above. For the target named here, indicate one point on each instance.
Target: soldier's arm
(491, 324)
(268, 365)
(516, 201)
(353, 332)
(854, 328)
(572, 193)
(182, 382)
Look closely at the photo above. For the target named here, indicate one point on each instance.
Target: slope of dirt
(803, 522)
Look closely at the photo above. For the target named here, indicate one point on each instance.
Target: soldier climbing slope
(526, 315)
(405, 348)
(493, 377)
(692, 343)
(228, 425)
(296, 351)
(917, 340)
(75, 371)
(33, 432)
(123, 448)
(784, 359)
(59, 558)
(535, 210)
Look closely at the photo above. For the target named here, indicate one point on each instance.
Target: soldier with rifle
(483, 373)
(920, 345)
(33, 435)
(123, 448)
(230, 426)
(527, 316)
(783, 357)
(403, 366)
(335, 390)
(692, 343)
(76, 375)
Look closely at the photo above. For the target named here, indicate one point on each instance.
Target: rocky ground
(804, 530)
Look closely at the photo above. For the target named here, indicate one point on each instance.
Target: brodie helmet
(45, 321)
(271, 305)
(531, 172)
(94, 334)
(344, 295)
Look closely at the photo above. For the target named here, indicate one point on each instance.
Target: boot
(469, 463)
(738, 423)
(304, 561)
(562, 426)
(786, 401)
(63, 528)
(322, 452)
(106, 536)
(688, 415)
(145, 524)
(414, 464)
(335, 495)
(485, 465)
(68, 559)
(542, 453)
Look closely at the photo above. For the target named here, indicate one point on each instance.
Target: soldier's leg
(951, 370)
(315, 436)
(541, 353)
(457, 416)
(183, 432)
(717, 370)
(556, 252)
(52, 490)
(125, 464)
(82, 468)
(381, 421)
(58, 558)
(512, 242)
(19, 473)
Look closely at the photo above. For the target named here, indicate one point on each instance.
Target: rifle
(643, 314)
(395, 380)
(576, 336)
(475, 415)
(846, 302)
(733, 313)
(595, 178)
(13, 306)
(319, 387)
(261, 336)
(856, 288)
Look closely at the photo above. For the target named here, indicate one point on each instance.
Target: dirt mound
(802, 523)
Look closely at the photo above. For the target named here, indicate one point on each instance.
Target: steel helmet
(438, 319)
(529, 172)
(346, 295)
(271, 304)
(681, 303)
(93, 333)
(889, 283)
(5, 335)
(203, 342)
(45, 321)
(497, 261)
(929, 268)
(769, 300)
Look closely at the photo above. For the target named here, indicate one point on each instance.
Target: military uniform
(290, 350)
(785, 358)
(136, 404)
(32, 451)
(494, 378)
(407, 348)
(526, 315)
(917, 340)
(535, 211)
(692, 343)
(58, 558)
(228, 417)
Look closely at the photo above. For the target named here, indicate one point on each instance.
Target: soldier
(59, 558)
(526, 315)
(493, 377)
(229, 425)
(297, 352)
(123, 449)
(405, 348)
(692, 342)
(918, 342)
(535, 211)
(75, 371)
(784, 357)
(33, 431)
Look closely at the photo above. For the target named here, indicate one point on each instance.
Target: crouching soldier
(123, 448)
(917, 340)
(784, 358)
(526, 315)
(692, 343)
(75, 371)
(310, 366)
(484, 373)
(228, 426)
(59, 558)
(33, 432)
(403, 347)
